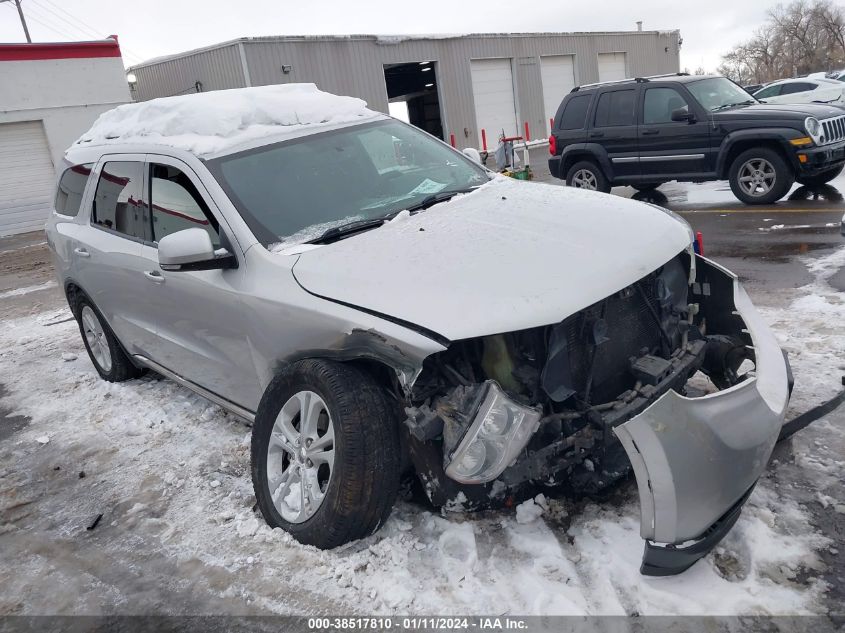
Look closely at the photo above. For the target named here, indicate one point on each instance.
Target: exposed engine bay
(495, 414)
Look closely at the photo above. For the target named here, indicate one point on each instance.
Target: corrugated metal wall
(354, 66)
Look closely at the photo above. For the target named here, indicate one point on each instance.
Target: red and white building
(49, 95)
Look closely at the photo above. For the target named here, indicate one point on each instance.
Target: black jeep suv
(646, 131)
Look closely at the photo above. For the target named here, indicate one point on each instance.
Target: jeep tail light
(552, 145)
(698, 246)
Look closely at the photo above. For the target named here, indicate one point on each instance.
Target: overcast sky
(160, 27)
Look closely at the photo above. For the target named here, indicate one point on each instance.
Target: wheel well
(740, 146)
(72, 291)
(382, 373)
(574, 157)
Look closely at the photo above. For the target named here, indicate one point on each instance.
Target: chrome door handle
(154, 276)
(650, 132)
(81, 252)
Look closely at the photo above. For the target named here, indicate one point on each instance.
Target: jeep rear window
(574, 116)
(615, 108)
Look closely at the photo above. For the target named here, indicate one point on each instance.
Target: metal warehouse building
(448, 85)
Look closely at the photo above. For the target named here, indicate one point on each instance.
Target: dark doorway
(415, 85)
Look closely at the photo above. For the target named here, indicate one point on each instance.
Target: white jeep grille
(834, 129)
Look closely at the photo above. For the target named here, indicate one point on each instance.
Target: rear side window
(118, 203)
(788, 89)
(615, 108)
(71, 188)
(177, 205)
(574, 115)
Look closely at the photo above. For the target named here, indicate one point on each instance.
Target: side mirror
(191, 249)
(683, 114)
(472, 154)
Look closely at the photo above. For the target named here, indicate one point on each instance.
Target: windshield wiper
(434, 198)
(337, 232)
(733, 105)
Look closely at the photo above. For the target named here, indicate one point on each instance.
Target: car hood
(505, 257)
(798, 112)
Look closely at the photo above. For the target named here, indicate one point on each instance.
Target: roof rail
(622, 81)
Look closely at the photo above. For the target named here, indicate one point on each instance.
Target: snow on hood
(506, 257)
(210, 122)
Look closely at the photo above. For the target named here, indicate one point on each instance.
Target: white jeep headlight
(814, 128)
(499, 431)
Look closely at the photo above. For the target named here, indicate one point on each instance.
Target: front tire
(103, 348)
(325, 453)
(820, 179)
(760, 176)
(585, 174)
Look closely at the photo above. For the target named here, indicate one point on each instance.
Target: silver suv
(378, 304)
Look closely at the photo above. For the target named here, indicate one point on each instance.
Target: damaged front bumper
(696, 460)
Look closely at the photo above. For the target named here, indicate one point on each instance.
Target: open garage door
(26, 177)
(558, 75)
(612, 67)
(492, 90)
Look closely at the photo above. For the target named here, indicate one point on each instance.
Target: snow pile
(210, 122)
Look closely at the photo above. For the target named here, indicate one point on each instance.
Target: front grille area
(834, 129)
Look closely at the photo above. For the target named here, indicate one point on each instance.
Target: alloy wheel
(757, 177)
(95, 336)
(300, 456)
(584, 179)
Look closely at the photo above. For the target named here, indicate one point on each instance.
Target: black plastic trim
(669, 560)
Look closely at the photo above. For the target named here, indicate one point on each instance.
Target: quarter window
(575, 114)
(71, 188)
(118, 203)
(177, 205)
(659, 104)
(615, 108)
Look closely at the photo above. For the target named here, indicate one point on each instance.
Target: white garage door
(492, 89)
(26, 177)
(612, 66)
(558, 75)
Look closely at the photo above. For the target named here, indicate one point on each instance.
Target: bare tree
(802, 37)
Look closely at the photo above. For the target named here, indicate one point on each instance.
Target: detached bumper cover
(696, 460)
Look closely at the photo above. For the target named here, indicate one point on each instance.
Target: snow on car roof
(210, 122)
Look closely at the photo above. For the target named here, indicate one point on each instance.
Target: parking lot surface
(136, 498)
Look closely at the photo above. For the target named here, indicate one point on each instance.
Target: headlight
(499, 431)
(813, 127)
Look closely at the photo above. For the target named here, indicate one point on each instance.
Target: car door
(669, 149)
(108, 258)
(614, 127)
(200, 326)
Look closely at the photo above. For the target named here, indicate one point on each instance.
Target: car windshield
(295, 191)
(718, 93)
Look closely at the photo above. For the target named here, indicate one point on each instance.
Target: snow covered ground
(169, 472)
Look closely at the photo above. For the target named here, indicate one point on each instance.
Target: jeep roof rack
(631, 79)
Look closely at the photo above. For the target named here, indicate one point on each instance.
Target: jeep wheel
(820, 179)
(586, 174)
(646, 186)
(325, 453)
(760, 176)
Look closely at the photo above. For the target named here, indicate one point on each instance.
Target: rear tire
(104, 350)
(820, 179)
(585, 174)
(760, 176)
(355, 494)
